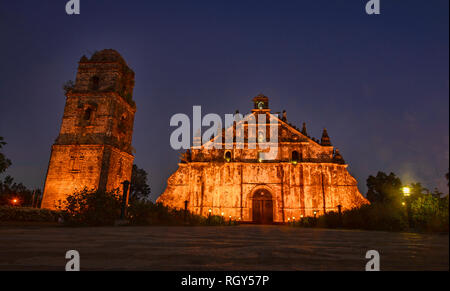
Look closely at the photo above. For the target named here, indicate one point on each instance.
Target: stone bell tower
(93, 149)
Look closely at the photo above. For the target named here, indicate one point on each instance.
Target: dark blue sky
(379, 84)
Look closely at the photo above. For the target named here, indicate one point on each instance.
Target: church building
(307, 177)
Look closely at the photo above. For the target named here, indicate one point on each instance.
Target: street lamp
(406, 191)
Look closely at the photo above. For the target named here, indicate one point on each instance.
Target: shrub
(329, 220)
(430, 213)
(376, 216)
(97, 208)
(142, 212)
(306, 222)
(91, 208)
(25, 214)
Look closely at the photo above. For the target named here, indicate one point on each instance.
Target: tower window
(95, 83)
(88, 114)
(123, 124)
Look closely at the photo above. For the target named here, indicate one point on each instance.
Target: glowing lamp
(406, 191)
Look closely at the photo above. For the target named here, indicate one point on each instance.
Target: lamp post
(186, 202)
(407, 194)
(123, 212)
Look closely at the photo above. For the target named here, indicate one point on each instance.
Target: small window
(295, 158)
(88, 114)
(95, 83)
(228, 156)
(123, 124)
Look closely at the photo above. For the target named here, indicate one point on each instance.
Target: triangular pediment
(286, 131)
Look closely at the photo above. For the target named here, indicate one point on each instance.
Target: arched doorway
(262, 211)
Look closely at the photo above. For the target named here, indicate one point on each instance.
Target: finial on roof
(337, 158)
(325, 138)
(304, 132)
(284, 118)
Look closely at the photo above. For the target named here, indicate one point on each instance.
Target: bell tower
(93, 149)
(261, 103)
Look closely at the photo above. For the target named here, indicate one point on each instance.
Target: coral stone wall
(93, 149)
(228, 188)
(304, 177)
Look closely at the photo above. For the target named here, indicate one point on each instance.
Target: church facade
(306, 177)
(93, 149)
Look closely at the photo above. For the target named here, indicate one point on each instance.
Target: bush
(427, 213)
(91, 208)
(306, 222)
(330, 220)
(376, 216)
(142, 212)
(430, 213)
(24, 214)
(97, 208)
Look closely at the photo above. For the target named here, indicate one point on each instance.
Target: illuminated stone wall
(296, 189)
(317, 182)
(93, 149)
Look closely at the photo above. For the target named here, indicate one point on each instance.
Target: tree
(90, 208)
(384, 188)
(417, 190)
(430, 212)
(139, 188)
(4, 162)
(10, 190)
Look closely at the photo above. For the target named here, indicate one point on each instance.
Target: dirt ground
(245, 247)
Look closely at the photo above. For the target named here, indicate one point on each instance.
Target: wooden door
(262, 207)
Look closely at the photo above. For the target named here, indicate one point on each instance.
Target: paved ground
(243, 247)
